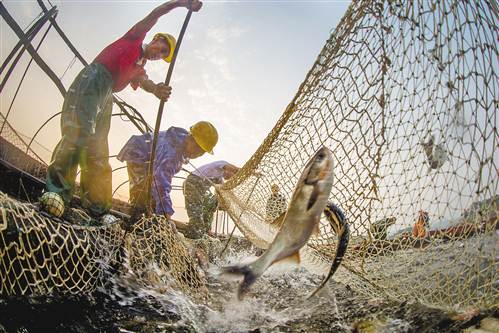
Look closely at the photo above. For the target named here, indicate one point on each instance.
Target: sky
(240, 64)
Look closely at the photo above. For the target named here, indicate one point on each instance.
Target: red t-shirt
(120, 58)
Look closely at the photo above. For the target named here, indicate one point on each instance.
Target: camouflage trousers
(85, 123)
(200, 204)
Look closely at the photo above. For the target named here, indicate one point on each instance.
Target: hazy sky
(240, 64)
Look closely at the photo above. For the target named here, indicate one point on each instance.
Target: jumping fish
(300, 222)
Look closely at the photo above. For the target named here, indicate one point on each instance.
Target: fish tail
(339, 224)
(249, 278)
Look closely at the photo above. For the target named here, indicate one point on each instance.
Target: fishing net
(153, 246)
(405, 95)
(41, 254)
(14, 149)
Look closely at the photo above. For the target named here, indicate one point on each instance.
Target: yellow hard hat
(171, 42)
(205, 135)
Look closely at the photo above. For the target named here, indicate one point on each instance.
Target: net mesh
(405, 96)
(40, 254)
(153, 241)
(14, 149)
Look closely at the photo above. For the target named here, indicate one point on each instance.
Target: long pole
(23, 76)
(158, 119)
(27, 44)
(31, 33)
(160, 111)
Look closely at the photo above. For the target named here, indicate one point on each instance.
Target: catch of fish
(309, 200)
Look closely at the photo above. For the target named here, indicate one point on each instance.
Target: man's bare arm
(160, 90)
(150, 20)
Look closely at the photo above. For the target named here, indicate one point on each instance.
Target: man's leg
(193, 193)
(61, 172)
(96, 172)
(210, 204)
(79, 111)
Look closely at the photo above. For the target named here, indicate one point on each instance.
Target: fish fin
(249, 278)
(293, 258)
(278, 221)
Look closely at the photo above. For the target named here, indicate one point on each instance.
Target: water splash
(278, 297)
(276, 303)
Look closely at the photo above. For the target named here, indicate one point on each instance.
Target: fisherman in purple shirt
(200, 203)
(174, 148)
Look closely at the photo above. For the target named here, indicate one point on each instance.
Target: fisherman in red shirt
(87, 108)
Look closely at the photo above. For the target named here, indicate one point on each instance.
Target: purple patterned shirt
(169, 160)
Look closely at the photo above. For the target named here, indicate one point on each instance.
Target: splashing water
(276, 303)
(276, 299)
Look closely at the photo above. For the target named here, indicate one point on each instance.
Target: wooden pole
(160, 112)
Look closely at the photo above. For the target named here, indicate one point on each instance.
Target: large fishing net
(40, 254)
(405, 95)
